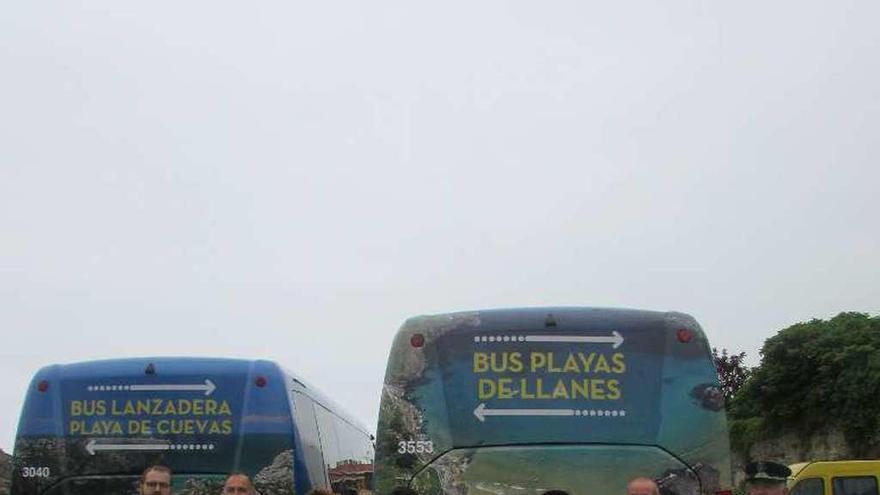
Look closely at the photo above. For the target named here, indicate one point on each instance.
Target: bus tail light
(43, 386)
(684, 336)
(417, 340)
(261, 381)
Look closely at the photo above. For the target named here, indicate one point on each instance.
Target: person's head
(642, 486)
(238, 484)
(767, 478)
(767, 487)
(156, 480)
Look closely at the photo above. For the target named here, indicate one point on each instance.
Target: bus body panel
(94, 424)
(551, 376)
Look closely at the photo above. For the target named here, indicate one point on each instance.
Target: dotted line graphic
(192, 446)
(500, 338)
(600, 413)
(107, 388)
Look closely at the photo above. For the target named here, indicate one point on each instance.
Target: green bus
(530, 401)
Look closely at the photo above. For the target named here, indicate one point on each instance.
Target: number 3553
(415, 447)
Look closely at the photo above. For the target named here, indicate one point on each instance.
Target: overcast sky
(291, 180)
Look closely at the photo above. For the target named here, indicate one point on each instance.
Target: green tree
(816, 374)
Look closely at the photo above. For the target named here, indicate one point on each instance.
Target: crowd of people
(156, 480)
(762, 478)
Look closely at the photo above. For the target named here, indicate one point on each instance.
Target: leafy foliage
(732, 372)
(744, 433)
(816, 374)
(202, 486)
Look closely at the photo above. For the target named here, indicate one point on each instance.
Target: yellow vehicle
(835, 478)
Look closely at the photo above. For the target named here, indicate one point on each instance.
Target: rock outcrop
(5, 472)
(792, 447)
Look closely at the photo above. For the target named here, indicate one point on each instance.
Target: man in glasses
(156, 480)
(767, 478)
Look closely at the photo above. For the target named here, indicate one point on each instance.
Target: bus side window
(355, 445)
(357, 452)
(307, 426)
(347, 452)
(809, 486)
(329, 439)
(854, 485)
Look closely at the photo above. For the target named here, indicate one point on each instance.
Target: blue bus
(92, 428)
(550, 400)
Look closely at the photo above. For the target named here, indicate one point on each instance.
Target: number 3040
(35, 472)
(415, 447)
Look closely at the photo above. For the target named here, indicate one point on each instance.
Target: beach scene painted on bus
(531, 400)
(94, 427)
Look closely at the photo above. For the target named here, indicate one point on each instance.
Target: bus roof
(517, 314)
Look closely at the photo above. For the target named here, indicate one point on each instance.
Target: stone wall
(791, 447)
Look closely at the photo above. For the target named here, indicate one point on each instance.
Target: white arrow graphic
(93, 446)
(207, 387)
(481, 412)
(615, 339)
